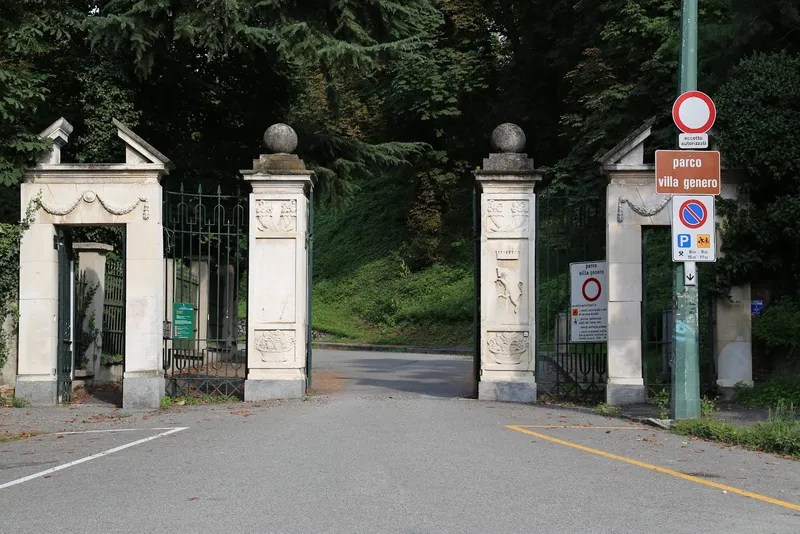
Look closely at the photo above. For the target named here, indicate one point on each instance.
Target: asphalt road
(386, 445)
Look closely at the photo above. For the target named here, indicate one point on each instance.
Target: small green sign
(183, 320)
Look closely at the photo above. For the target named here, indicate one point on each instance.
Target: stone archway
(68, 195)
(632, 203)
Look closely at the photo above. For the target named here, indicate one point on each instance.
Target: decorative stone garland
(90, 196)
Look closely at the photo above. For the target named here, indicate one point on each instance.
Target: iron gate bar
(476, 283)
(309, 289)
(205, 251)
(66, 294)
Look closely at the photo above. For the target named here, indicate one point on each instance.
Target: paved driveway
(387, 445)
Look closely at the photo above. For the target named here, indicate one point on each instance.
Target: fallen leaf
(192, 499)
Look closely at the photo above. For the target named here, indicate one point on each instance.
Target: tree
(32, 37)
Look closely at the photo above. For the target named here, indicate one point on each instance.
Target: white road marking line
(92, 457)
(109, 430)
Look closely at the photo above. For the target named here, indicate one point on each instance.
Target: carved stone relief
(89, 197)
(644, 211)
(506, 215)
(275, 346)
(509, 288)
(508, 347)
(507, 280)
(276, 215)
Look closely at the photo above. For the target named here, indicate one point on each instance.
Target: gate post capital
(277, 294)
(507, 225)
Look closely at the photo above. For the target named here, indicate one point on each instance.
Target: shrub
(784, 390)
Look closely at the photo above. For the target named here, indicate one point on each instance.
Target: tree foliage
(409, 91)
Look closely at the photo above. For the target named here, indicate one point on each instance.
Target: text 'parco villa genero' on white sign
(589, 311)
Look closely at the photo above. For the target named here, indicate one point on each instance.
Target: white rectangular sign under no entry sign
(589, 299)
(693, 228)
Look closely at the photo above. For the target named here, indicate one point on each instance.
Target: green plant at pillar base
(707, 406)
(662, 401)
(773, 392)
(10, 239)
(14, 402)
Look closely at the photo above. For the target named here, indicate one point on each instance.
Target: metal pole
(685, 402)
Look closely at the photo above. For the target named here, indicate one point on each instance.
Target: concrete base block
(622, 394)
(37, 393)
(142, 393)
(726, 393)
(507, 391)
(259, 390)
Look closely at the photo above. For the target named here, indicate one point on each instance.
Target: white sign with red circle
(693, 229)
(694, 112)
(589, 310)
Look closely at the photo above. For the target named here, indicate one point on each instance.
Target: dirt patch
(326, 382)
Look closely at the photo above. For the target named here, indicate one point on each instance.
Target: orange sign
(688, 172)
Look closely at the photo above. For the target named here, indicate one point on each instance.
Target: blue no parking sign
(693, 228)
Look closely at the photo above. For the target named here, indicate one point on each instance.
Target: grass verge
(780, 434)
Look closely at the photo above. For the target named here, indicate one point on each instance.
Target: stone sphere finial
(280, 139)
(508, 138)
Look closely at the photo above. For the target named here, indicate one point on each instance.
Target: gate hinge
(55, 242)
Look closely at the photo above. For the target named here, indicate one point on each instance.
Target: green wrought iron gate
(66, 314)
(205, 249)
(309, 288)
(570, 228)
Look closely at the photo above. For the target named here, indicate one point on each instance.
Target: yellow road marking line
(691, 478)
(588, 427)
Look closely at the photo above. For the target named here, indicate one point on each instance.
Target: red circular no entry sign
(591, 294)
(694, 112)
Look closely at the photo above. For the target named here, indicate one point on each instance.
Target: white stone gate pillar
(92, 263)
(38, 315)
(277, 295)
(508, 269)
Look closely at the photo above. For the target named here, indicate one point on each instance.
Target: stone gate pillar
(508, 247)
(277, 295)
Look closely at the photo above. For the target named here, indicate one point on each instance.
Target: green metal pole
(685, 403)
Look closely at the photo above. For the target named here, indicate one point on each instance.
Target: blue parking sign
(684, 241)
